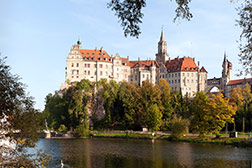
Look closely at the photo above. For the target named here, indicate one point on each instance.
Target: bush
(82, 130)
(178, 127)
(62, 128)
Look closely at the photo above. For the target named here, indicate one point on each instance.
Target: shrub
(178, 127)
(82, 130)
(62, 128)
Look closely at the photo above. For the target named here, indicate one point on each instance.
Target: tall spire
(162, 35)
(225, 57)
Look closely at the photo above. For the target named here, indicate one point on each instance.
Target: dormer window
(92, 58)
(92, 53)
(88, 53)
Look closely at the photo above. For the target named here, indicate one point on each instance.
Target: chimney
(198, 64)
(193, 59)
(101, 49)
(128, 57)
(95, 48)
(138, 58)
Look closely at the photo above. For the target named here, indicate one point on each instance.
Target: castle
(182, 74)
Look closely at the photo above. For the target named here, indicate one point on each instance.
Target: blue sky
(37, 36)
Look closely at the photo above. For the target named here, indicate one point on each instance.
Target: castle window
(88, 65)
(147, 75)
(178, 74)
(135, 77)
(95, 65)
(169, 75)
(172, 75)
(143, 75)
(179, 81)
(100, 65)
(175, 75)
(183, 74)
(77, 64)
(95, 73)
(88, 72)
(175, 81)
(77, 76)
(192, 80)
(100, 72)
(72, 71)
(72, 76)
(160, 76)
(187, 80)
(172, 81)
(169, 82)
(72, 64)
(77, 71)
(85, 72)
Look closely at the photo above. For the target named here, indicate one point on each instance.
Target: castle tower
(226, 73)
(162, 55)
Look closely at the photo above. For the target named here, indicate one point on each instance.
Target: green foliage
(154, 116)
(62, 128)
(17, 114)
(82, 130)
(245, 22)
(178, 127)
(166, 107)
(130, 13)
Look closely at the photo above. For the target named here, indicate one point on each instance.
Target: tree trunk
(243, 124)
(226, 128)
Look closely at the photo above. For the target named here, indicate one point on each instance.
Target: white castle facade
(181, 73)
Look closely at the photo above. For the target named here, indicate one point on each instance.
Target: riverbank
(190, 138)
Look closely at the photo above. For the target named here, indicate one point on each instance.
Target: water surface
(128, 153)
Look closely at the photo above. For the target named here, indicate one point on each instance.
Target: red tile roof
(181, 64)
(95, 55)
(142, 63)
(203, 69)
(238, 81)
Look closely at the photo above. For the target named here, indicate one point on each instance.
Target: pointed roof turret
(162, 36)
(225, 57)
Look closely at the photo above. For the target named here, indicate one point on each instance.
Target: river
(132, 153)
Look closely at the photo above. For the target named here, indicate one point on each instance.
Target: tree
(130, 13)
(199, 116)
(247, 98)
(154, 116)
(148, 95)
(15, 108)
(126, 105)
(166, 108)
(245, 43)
(237, 98)
(211, 114)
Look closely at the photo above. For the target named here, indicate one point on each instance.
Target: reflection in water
(123, 153)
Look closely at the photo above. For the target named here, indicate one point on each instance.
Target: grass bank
(240, 142)
(124, 135)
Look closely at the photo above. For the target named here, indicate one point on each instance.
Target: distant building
(181, 73)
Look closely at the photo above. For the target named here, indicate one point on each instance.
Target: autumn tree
(236, 97)
(166, 108)
(247, 98)
(199, 121)
(219, 111)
